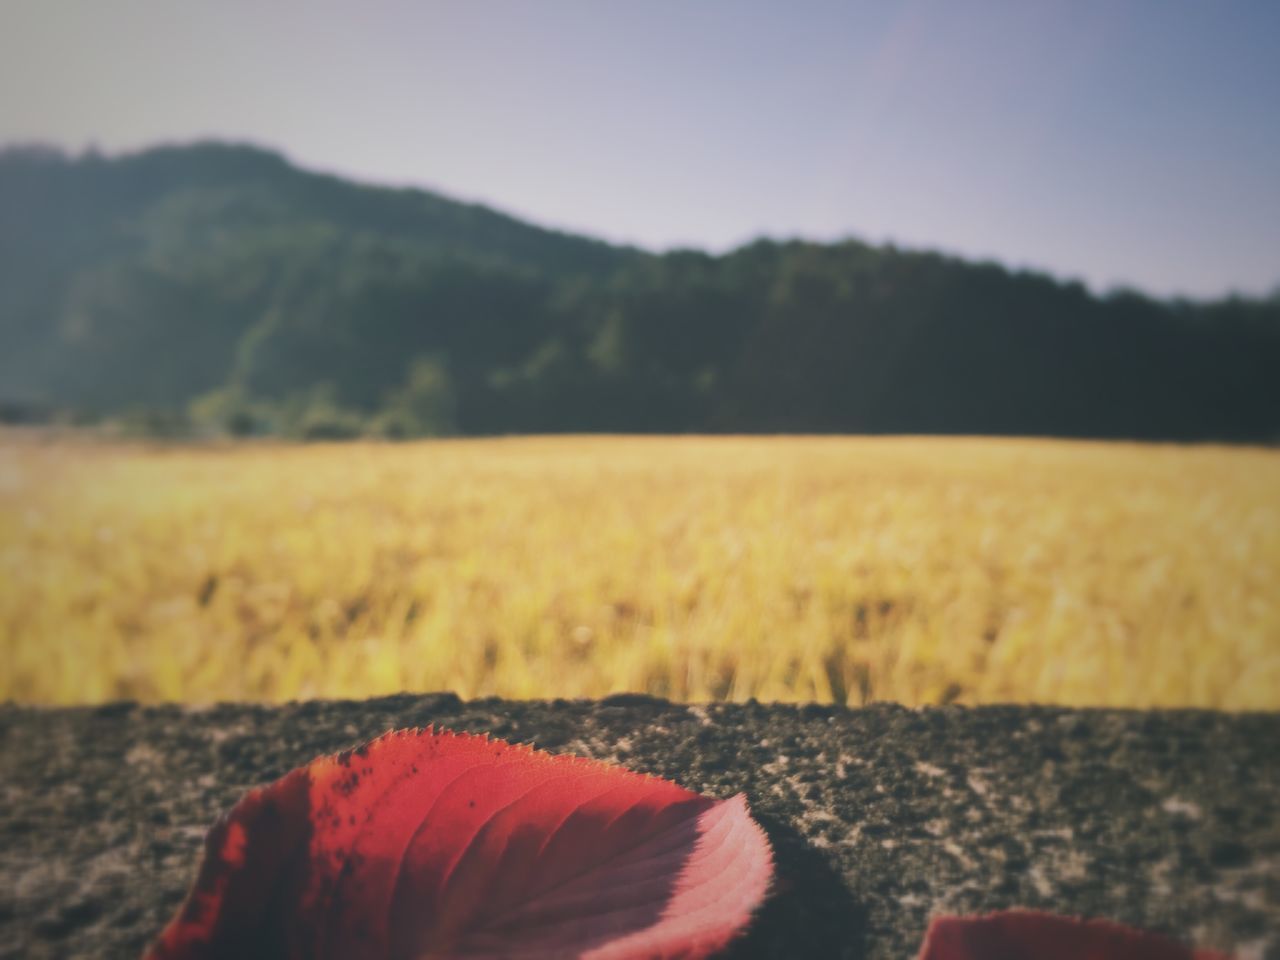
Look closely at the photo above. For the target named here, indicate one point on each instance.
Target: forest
(217, 288)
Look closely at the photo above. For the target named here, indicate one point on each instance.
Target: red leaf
(1028, 935)
(436, 844)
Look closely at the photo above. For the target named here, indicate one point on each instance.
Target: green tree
(424, 406)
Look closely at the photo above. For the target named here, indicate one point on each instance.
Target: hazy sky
(1118, 141)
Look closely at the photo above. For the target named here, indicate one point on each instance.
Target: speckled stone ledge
(879, 816)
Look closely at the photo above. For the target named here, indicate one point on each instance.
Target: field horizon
(699, 568)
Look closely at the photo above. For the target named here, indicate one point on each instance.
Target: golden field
(846, 569)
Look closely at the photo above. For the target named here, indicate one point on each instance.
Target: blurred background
(906, 350)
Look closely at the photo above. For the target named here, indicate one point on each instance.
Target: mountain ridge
(220, 282)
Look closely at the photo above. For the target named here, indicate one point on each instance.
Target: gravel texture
(879, 816)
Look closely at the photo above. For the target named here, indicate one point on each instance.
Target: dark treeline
(217, 287)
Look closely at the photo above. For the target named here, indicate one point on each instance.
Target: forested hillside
(217, 287)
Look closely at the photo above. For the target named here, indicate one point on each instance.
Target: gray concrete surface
(879, 816)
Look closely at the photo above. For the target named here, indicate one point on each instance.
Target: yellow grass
(919, 570)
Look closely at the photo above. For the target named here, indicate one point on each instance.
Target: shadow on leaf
(812, 914)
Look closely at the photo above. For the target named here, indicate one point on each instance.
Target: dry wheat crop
(847, 569)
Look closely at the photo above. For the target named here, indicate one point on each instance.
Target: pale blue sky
(1116, 141)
